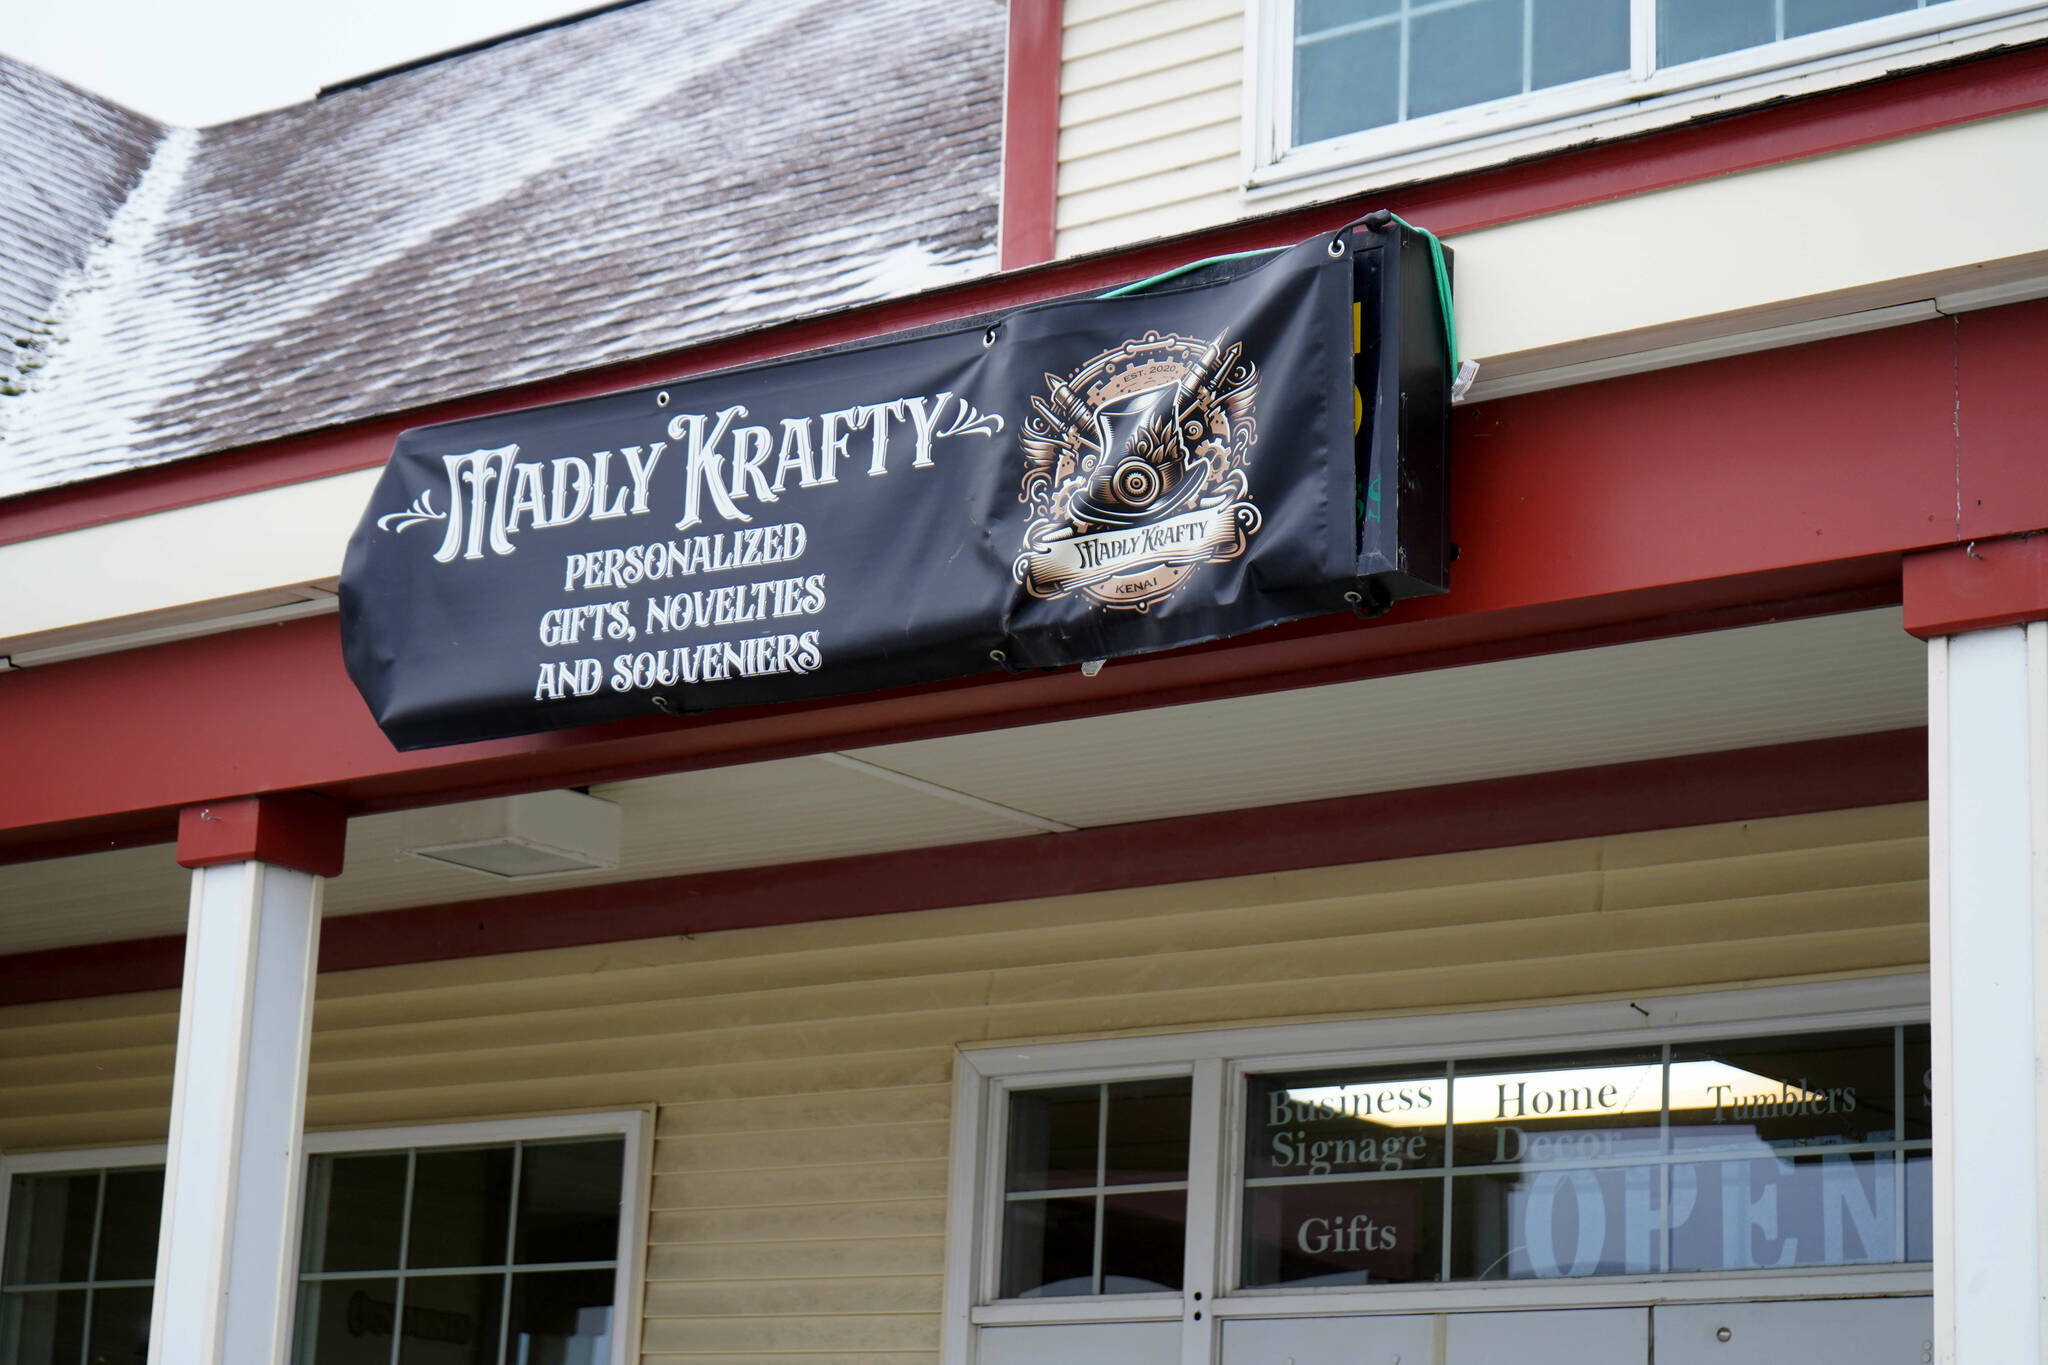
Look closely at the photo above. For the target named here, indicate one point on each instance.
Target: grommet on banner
(988, 338)
(1336, 246)
(661, 399)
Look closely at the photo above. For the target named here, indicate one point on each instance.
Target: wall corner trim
(1031, 134)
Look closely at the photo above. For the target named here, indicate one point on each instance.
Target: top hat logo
(1135, 470)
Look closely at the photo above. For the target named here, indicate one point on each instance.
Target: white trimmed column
(227, 1251)
(1988, 869)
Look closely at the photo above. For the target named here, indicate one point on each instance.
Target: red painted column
(1031, 133)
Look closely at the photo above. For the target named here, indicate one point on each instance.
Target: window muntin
(1095, 1189)
(1773, 1153)
(1352, 81)
(79, 1231)
(79, 1265)
(470, 1255)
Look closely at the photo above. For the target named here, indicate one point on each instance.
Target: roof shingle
(647, 178)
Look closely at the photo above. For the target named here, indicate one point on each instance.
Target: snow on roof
(67, 161)
(644, 179)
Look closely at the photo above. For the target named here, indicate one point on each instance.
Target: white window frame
(1219, 1062)
(60, 1162)
(634, 1125)
(1619, 104)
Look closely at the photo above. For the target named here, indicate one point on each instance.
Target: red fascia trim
(300, 830)
(1624, 798)
(1031, 134)
(1977, 586)
(323, 734)
(1895, 107)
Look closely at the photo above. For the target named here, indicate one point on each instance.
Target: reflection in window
(1095, 1194)
(1739, 1155)
(79, 1266)
(492, 1255)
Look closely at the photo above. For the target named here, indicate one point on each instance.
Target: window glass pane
(1811, 16)
(1572, 1109)
(49, 1228)
(1345, 1122)
(345, 1322)
(1344, 1232)
(1688, 30)
(1054, 1138)
(460, 1200)
(1317, 16)
(1344, 84)
(1823, 1209)
(1550, 1224)
(561, 1317)
(1920, 1207)
(128, 1224)
(1143, 1237)
(1574, 39)
(1784, 1092)
(355, 1206)
(1148, 1132)
(1048, 1247)
(120, 1327)
(43, 1329)
(1464, 54)
(1919, 1106)
(451, 1319)
(569, 1202)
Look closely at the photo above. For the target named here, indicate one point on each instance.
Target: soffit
(1769, 684)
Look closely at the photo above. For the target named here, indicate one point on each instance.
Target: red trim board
(1977, 585)
(1031, 133)
(292, 829)
(1706, 488)
(1668, 793)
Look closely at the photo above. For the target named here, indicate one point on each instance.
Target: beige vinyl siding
(1151, 94)
(802, 1073)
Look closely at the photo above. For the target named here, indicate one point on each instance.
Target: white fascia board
(1894, 222)
(131, 577)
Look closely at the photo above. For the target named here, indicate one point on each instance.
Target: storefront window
(462, 1255)
(80, 1265)
(1758, 1154)
(1411, 1185)
(1095, 1189)
(502, 1250)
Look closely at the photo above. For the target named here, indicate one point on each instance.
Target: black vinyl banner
(1076, 481)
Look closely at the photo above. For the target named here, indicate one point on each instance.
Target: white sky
(198, 62)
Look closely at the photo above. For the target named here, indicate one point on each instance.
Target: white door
(1590, 1336)
(1093, 1343)
(1810, 1332)
(1330, 1341)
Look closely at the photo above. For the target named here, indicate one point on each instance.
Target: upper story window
(1349, 82)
